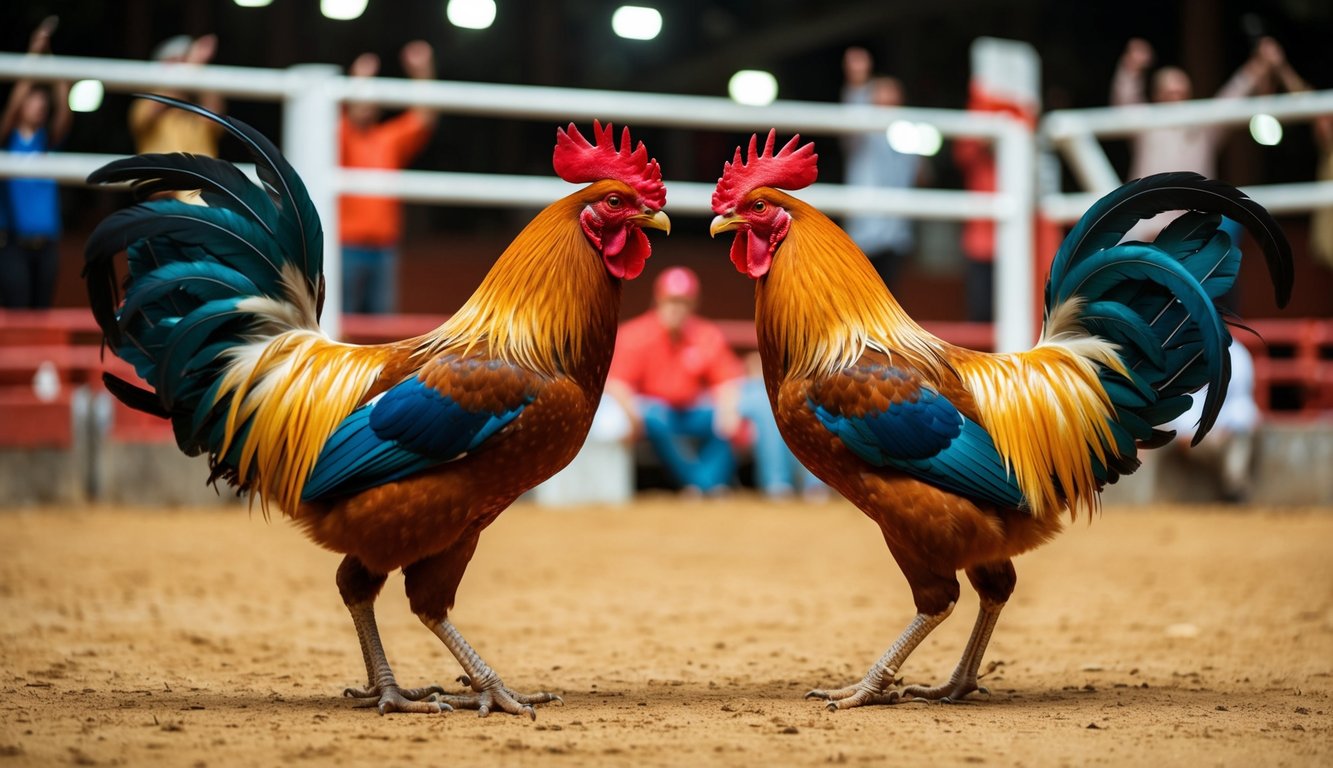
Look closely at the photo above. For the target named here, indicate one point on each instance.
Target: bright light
(1266, 130)
(635, 22)
(85, 96)
(753, 87)
(343, 10)
(471, 14)
(253, 3)
(914, 138)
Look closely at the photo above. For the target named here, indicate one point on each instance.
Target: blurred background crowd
(698, 47)
(427, 259)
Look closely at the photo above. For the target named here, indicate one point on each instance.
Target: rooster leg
(873, 688)
(964, 678)
(432, 585)
(359, 587)
(383, 692)
(995, 583)
(488, 690)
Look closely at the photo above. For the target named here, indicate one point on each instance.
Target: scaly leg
(359, 586)
(383, 691)
(964, 678)
(994, 583)
(874, 687)
(489, 691)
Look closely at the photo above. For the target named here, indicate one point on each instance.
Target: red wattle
(739, 248)
(624, 251)
(760, 256)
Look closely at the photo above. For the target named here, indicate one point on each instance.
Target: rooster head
(746, 200)
(626, 196)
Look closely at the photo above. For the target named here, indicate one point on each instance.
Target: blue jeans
(776, 470)
(684, 440)
(28, 273)
(370, 279)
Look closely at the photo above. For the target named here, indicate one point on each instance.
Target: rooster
(966, 459)
(397, 455)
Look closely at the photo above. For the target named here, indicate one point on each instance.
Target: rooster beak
(654, 220)
(724, 224)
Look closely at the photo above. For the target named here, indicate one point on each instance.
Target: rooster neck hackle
(822, 306)
(548, 304)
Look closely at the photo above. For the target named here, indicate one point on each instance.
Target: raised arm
(419, 62)
(61, 115)
(1254, 72)
(145, 112)
(39, 43)
(1127, 84)
(201, 52)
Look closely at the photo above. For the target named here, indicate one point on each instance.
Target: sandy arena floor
(678, 634)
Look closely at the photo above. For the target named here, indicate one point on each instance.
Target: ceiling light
(1266, 130)
(343, 10)
(85, 96)
(470, 14)
(635, 22)
(753, 87)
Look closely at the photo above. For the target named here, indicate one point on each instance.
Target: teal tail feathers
(1158, 302)
(203, 279)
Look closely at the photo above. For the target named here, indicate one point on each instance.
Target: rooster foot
(871, 691)
(391, 698)
(949, 693)
(496, 696)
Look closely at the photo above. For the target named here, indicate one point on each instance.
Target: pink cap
(676, 282)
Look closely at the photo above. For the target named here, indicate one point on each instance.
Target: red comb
(790, 168)
(578, 161)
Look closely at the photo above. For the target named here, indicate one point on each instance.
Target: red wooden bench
(1292, 354)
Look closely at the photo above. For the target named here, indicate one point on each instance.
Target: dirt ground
(677, 633)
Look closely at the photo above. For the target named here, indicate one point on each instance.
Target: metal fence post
(310, 142)
(1014, 307)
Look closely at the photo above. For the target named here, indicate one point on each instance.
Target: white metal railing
(1075, 133)
(311, 95)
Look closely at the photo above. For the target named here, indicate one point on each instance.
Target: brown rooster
(398, 455)
(966, 459)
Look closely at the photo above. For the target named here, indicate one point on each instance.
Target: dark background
(571, 44)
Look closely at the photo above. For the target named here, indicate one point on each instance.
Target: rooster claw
(952, 692)
(391, 698)
(411, 694)
(497, 697)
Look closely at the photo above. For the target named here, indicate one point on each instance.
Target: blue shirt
(34, 204)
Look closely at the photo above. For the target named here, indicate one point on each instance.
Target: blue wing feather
(411, 427)
(928, 438)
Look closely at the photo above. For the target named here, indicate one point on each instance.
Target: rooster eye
(759, 206)
(613, 201)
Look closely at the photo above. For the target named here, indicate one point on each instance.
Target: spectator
(158, 128)
(1321, 221)
(1228, 450)
(371, 227)
(776, 470)
(976, 160)
(675, 376)
(872, 162)
(1179, 148)
(35, 121)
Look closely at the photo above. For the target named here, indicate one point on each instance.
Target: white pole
(310, 142)
(1090, 164)
(1014, 309)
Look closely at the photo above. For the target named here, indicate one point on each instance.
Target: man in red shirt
(679, 381)
(370, 227)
